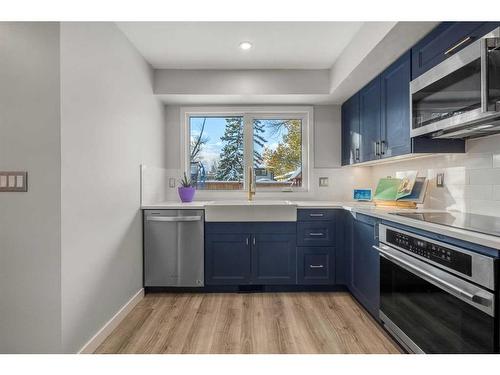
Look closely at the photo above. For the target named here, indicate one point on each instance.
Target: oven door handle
(476, 298)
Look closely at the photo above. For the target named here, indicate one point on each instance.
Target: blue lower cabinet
(250, 253)
(343, 253)
(365, 263)
(315, 265)
(274, 259)
(227, 259)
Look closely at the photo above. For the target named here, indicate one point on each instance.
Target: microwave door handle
(484, 74)
(429, 277)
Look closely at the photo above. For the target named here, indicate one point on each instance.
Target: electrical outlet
(323, 181)
(171, 182)
(440, 180)
(14, 181)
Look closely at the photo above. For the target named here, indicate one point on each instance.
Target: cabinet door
(315, 265)
(343, 251)
(369, 120)
(445, 40)
(350, 131)
(227, 259)
(274, 259)
(395, 87)
(365, 265)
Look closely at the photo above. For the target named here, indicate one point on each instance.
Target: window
(219, 147)
(277, 153)
(216, 152)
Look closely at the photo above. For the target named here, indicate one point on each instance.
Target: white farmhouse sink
(240, 210)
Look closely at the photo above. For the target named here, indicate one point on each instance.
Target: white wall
(111, 123)
(472, 180)
(325, 161)
(374, 47)
(241, 82)
(30, 278)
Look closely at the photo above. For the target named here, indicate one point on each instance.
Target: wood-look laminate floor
(248, 323)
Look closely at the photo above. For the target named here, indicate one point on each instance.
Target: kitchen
(210, 187)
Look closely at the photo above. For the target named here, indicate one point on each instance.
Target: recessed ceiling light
(245, 45)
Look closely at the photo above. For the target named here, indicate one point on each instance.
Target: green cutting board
(387, 189)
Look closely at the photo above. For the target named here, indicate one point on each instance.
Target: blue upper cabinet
(445, 40)
(395, 113)
(376, 120)
(350, 131)
(369, 120)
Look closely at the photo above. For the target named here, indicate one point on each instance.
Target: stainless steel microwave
(460, 97)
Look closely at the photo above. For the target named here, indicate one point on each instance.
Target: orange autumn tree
(287, 156)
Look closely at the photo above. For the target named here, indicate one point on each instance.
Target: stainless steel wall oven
(436, 297)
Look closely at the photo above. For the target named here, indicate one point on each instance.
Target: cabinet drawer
(316, 233)
(315, 215)
(315, 265)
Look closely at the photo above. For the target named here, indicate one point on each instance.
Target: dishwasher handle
(173, 218)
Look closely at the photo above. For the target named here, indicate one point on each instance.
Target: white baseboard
(104, 332)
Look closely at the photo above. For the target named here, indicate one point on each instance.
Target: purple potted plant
(187, 189)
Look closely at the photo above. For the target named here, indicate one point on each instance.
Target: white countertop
(368, 209)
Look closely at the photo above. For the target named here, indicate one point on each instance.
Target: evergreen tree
(231, 156)
(258, 129)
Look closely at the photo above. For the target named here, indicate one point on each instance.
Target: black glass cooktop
(473, 222)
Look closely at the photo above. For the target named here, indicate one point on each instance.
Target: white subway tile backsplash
(478, 161)
(490, 176)
(456, 191)
(496, 192)
(485, 207)
(471, 180)
(483, 192)
(496, 160)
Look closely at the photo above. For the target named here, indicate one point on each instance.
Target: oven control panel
(447, 257)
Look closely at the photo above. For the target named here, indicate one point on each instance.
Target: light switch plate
(13, 181)
(171, 182)
(323, 181)
(440, 180)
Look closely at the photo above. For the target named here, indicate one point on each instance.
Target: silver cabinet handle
(248, 242)
(450, 50)
(316, 234)
(316, 215)
(377, 152)
(357, 154)
(253, 240)
(436, 280)
(173, 218)
(382, 147)
(318, 266)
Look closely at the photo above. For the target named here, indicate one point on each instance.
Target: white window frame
(305, 113)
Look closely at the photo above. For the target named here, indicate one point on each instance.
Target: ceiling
(214, 45)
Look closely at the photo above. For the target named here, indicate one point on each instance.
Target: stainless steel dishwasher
(174, 248)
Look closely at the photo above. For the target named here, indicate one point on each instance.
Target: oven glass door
(436, 321)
